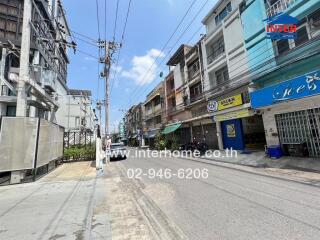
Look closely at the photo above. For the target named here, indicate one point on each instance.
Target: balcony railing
(193, 71)
(213, 56)
(196, 98)
(280, 6)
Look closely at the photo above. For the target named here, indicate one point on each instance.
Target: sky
(142, 57)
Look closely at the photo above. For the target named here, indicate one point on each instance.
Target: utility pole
(21, 110)
(107, 73)
(110, 48)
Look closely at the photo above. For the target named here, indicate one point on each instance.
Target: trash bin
(274, 151)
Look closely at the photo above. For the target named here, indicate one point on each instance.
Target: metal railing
(193, 71)
(280, 6)
(213, 56)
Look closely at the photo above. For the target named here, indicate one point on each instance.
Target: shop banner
(226, 103)
(300, 87)
(233, 115)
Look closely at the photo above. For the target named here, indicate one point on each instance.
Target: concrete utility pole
(107, 73)
(110, 48)
(24, 60)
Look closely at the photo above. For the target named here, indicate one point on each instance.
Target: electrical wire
(121, 45)
(135, 95)
(116, 21)
(165, 45)
(247, 60)
(83, 35)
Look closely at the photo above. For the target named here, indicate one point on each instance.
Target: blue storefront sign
(300, 87)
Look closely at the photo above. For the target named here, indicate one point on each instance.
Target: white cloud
(144, 70)
(90, 59)
(114, 73)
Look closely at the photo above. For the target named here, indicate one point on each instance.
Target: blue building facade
(285, 74)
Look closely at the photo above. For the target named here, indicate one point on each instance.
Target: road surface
(160, 198)
(230, 203)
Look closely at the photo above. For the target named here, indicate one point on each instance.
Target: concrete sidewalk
(260, 160)
(68, 203)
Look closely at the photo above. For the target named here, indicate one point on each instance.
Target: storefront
(291, 114)
(238, 126)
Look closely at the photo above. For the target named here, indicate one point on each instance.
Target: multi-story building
(46, 86)
(187, 116)
(79, 115)
(129, 123)
(226, 85)
(154, 113)
(136, 137)
(285, 73)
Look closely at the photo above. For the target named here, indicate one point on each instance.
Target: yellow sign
(230, 102)
(233, 115)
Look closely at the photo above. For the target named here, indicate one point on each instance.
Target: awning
(152, 133)
(171, 128)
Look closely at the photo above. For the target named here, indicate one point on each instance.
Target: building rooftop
(79, 92)
(212, 11)
(179, 54)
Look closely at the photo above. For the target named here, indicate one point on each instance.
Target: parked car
(117, 151)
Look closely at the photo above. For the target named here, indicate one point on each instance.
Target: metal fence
(301, 127)
(28, 143)
(82, 138)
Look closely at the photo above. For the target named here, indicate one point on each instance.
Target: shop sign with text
(214, 106)
(300, 87)
(233, 115)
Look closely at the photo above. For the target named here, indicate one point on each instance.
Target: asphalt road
(230, 203)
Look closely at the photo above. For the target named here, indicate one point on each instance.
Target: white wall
(234, 45)
(62, 100)
(177, 77)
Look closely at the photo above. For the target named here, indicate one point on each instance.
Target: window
(11, 111)
(193, 68)
(157, 119)
(171, 85)
(223, 13)
(157, 101)
(77, 121)
(148, 107)
(195, 90)
(173, 102)
(282, 46)
(302, 36)
(4, 90)
(314, 21)
(222, 75)
(215, 50)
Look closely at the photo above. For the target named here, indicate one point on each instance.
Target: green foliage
(175, 143)
(160, 142)
(79, 152)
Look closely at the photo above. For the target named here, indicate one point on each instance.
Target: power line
(115, 21)
(168, 54)
(98, 18)
(121, 44)
(83, 35)
(88, 54)
(85, 41)
(166, 44)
